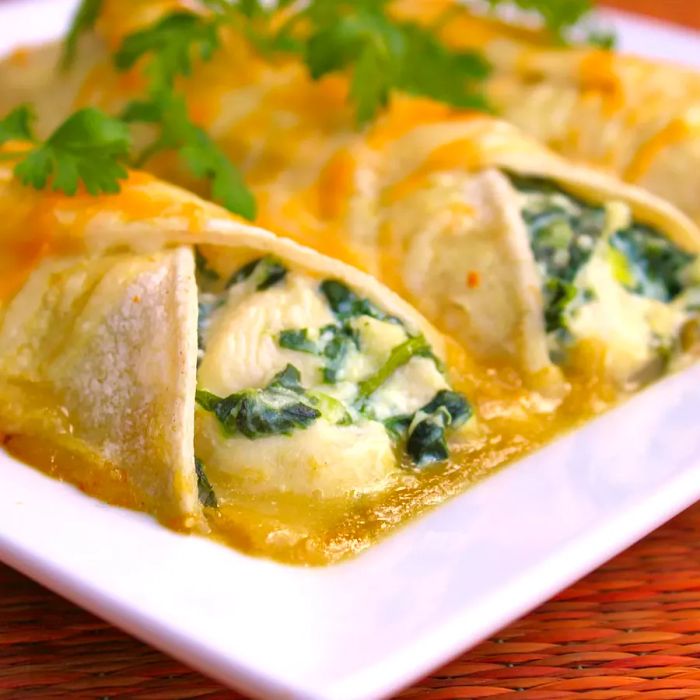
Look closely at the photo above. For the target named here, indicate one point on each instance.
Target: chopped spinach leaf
(424, 431)
(279, 409)
(563, 232)
(331, 408)
(207, 400)
(289, 378)
(207, 497)
(559, 296)
(399, 356)
(397, 426)
(266, 271)
(334, 344)
(454, 403)
(345, 304)
(426, 442)
(562, 228)
(654, 263)
(274, 272)
(298, 339)
(338, 340)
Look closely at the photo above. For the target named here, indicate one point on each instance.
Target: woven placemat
(631, 628)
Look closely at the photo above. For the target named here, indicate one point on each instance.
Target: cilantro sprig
(89, 148)
(83, 21)
(385, 56)
(381, 54)
(168, 48)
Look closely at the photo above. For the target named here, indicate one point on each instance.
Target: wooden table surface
(630, 629)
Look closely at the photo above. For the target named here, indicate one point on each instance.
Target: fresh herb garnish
(207, 497)
(17, 125)
(83, 21)
(381, 53)
(168, 47)
(267, 272)
(279, 409)
(170, 43)
(89, 148)
(384, 55)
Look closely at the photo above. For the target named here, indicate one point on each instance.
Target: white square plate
(365, 628)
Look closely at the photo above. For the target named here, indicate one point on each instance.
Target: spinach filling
(265, 272)
(345, 304)
(334, 344)
(565, 232)
(414, 346)
(284, 406)
(206, 494)
(655, 266)
(422, 433)
(280, 408)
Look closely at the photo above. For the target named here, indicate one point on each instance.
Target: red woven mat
(631, 628)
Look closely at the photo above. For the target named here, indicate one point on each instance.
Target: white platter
(368, 627)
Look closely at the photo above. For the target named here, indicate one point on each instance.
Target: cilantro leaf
(83, 20)
(17, 125)
(207, 161)
(171, 42)
(385, 55)
(88, 147)
(199, 152)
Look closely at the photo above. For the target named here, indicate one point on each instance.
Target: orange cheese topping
(676, 131)
(40, 224)
(599, 75)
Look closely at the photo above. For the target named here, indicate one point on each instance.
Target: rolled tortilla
(465, 208)
(635, 117)
(311, 377)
